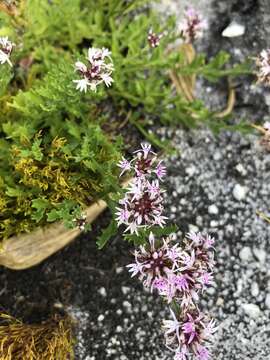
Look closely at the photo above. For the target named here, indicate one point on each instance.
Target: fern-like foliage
(58, 147)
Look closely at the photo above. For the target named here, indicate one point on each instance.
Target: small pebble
(252, 310)
(234, 29)
(239, 192)
(245, 254)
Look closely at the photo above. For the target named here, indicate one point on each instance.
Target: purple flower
(160, 170)
(203, 353)
(189, 328)
(181, 282)
(154, 39)
(154, 264)
(181, 354)
(160, 283)
(142, 206)
(177, 273)
(97, 71)
(206, 278)
(263, 63)
(6, 48)
(144, 164)
(185, 335)
(125, 165)
(193, 25)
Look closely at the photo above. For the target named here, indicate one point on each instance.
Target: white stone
(190, 171)
(125, 290)
(245, 254)
(213, 223)
(239, 192)
(127, 304)
(260, 255)
(213, 209)
(233, 30)
(220, 301)
(240, 168)
(193, 228)
(217, 156)
(100, 318)
(102, 291)
(252, 310)
(267, 301)
(119, 312)
(119, 270)
(254, 289)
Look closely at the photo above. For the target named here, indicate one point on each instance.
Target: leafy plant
(59, 148)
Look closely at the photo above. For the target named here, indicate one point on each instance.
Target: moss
(51, 340)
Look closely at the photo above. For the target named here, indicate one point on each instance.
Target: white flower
(4, 58)
(108, 80)
(98, 70)
(266, 126)
(6, 48)
(134, 268)
(96, 54)
(81, 84)
(79, 66)
(171, 326)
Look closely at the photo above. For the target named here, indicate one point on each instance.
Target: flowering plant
(178, 272)
(97, 72)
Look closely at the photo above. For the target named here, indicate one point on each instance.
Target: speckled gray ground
(214, 184)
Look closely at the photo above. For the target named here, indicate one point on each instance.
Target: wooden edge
(26, 250)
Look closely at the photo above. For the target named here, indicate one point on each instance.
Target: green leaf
(40, 206)
(143, 234)
(53, 215)
(107, 233)
(36, 149)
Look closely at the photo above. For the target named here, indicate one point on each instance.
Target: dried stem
(48, 341)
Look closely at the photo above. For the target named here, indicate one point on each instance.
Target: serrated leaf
(40, 206)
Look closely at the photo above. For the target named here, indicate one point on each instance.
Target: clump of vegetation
(50, 340)
(59, 146)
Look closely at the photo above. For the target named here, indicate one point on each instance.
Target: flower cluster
(142, 205)
(80, 221)
(180, 274)
(97, 71)
(192, 26)
(6, 48)
(188, 334)
(154, 39)
(263, 63)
